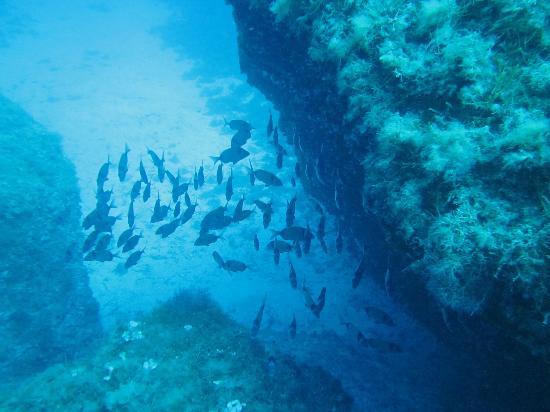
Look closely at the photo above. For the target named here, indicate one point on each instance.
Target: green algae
(186, 355)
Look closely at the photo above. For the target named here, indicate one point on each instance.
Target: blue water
(163, 75)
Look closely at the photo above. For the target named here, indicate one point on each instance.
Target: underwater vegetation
(47, 309)
(185, 355)
(446, 109)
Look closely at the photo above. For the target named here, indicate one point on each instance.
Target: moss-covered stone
(186, 355)
(48, 312)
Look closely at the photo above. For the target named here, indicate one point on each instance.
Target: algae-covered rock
(214, 365)
(47, 309)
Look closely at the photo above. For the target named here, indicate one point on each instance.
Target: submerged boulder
(47, 309)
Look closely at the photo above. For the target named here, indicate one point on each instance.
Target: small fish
(201, 175)
(187, 199)
(276, 136)
(359, 271)
(143, 173)
(179, 190)
(276, 255)
(177, 209)
(292, 276)
(234, 266)
(161, 171)
(258, 320)
(232, 155)
(215, 220)
(292, 233)
(219, 174)
(239, 207)
(154, 157)
(270, 125)
(279, 160)
(290, 211)
(124, 236)
(99, 256)
(238, 125)
(280, 245)
(266, 207)
(256, 242)
(378, 316)
(268, 178)
(240, 138)
(90, 219)
(292, 327)
(123, 164)
(195, 179)
(219, 260)
(131, 243)
(136, 189)
(297, 249)
(339, 240)
(321, 227)
(103, 174)
(168, 228)
(131, 215)
(206, 239)
(147, 192)
(188, 214)
(229, 187)
(156, 210)
(90, 241)
(307, 240)
(133, 258)
(104, 242)
(266, 219)
(318, 307)
(323, 245)
(174, 180)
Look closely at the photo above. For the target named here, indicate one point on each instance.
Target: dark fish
(90, 241)
(187, 200)
(105, 223)
(124, 236)
(103, 174)
(280, 245)
(321, 228)
(231, 155)
(378, 316)
(234, 266)
(339, 240)
(168, 228)
(292, 327)
(279, 160)
(89, 219)
(206, 239)
(266, 219)
(258, 320)
(174, 181)
(270, 125)
(177, 209)
(292, 233)
(123, 164)
(103, 196)
(256, 242)
(131, 216)
(378, 344)
(359, 271)
(136, 189)
(161, 171)
(318, 307)
(132, 242)
(147, 192)
(188, 214)
(133, 258)
(297, 249)
(103, 242)
(245, 214)
(307, 240)
(290, 211)
(215, 220)
(268, 178)
(218, 259)
(164, 211)
(292, 276)
(179, 190)
(276, 136)
(156, 210)
(265, 207)
(142, 173)
(201, 175)
(276, 255)
(195, 179)
(157, 161)
(323, 245)
(219, 174)
(99, 256)
(238, 125)
(297, 170)
(239, 207)
(240, 138)
(229, 187)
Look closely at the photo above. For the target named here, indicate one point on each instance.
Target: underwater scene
(275, 205)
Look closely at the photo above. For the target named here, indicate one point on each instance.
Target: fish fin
(215, 159)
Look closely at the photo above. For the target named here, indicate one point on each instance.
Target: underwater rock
(431, 119)
(47, 308)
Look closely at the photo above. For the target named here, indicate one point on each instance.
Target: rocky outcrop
(47, 309)
(432, 118)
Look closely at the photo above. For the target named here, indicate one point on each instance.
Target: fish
(219, 260)
(258, 319)
(339, 240)
(161, 171)
(123, 164)
(156, 210)
(219, 174)
(290, 211)
(297, 249)
(232, 155)
(279, 160)
(239, 214)
(280, 245)
(195, 179)
(103, 242)
(105, 223)
(266, 207)
(89, 220)
(256, 242)
(187, 199)
(99, 256)
(292, 327)
(157, 161)
(270, 125)
(238, 125)
(239, 207)
(131, 215)
(359, 271)
(292, 276)
(89, 242)
(188, 214)
(319, 306)
(174, 180)
(234, 266)
(124, 236)
(215, 219)
(378, 344)
(229, 187)
(143, 173)
(179, 190)
(136, 189)
(168, 228)
(147, 192)
(321, 227)
(323, 245)
(132, 242)
(133, 258)
(206, 239)
(200, 175)
(378, 316)
(307, 240)
(276, 136)
(240, 138)
(103, 174)
(296, 233)
(266, 219)
(276, 255)
(268, 178)
(177, 209)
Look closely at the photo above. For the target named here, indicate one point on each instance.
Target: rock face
(47, 309)
(432, 120)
